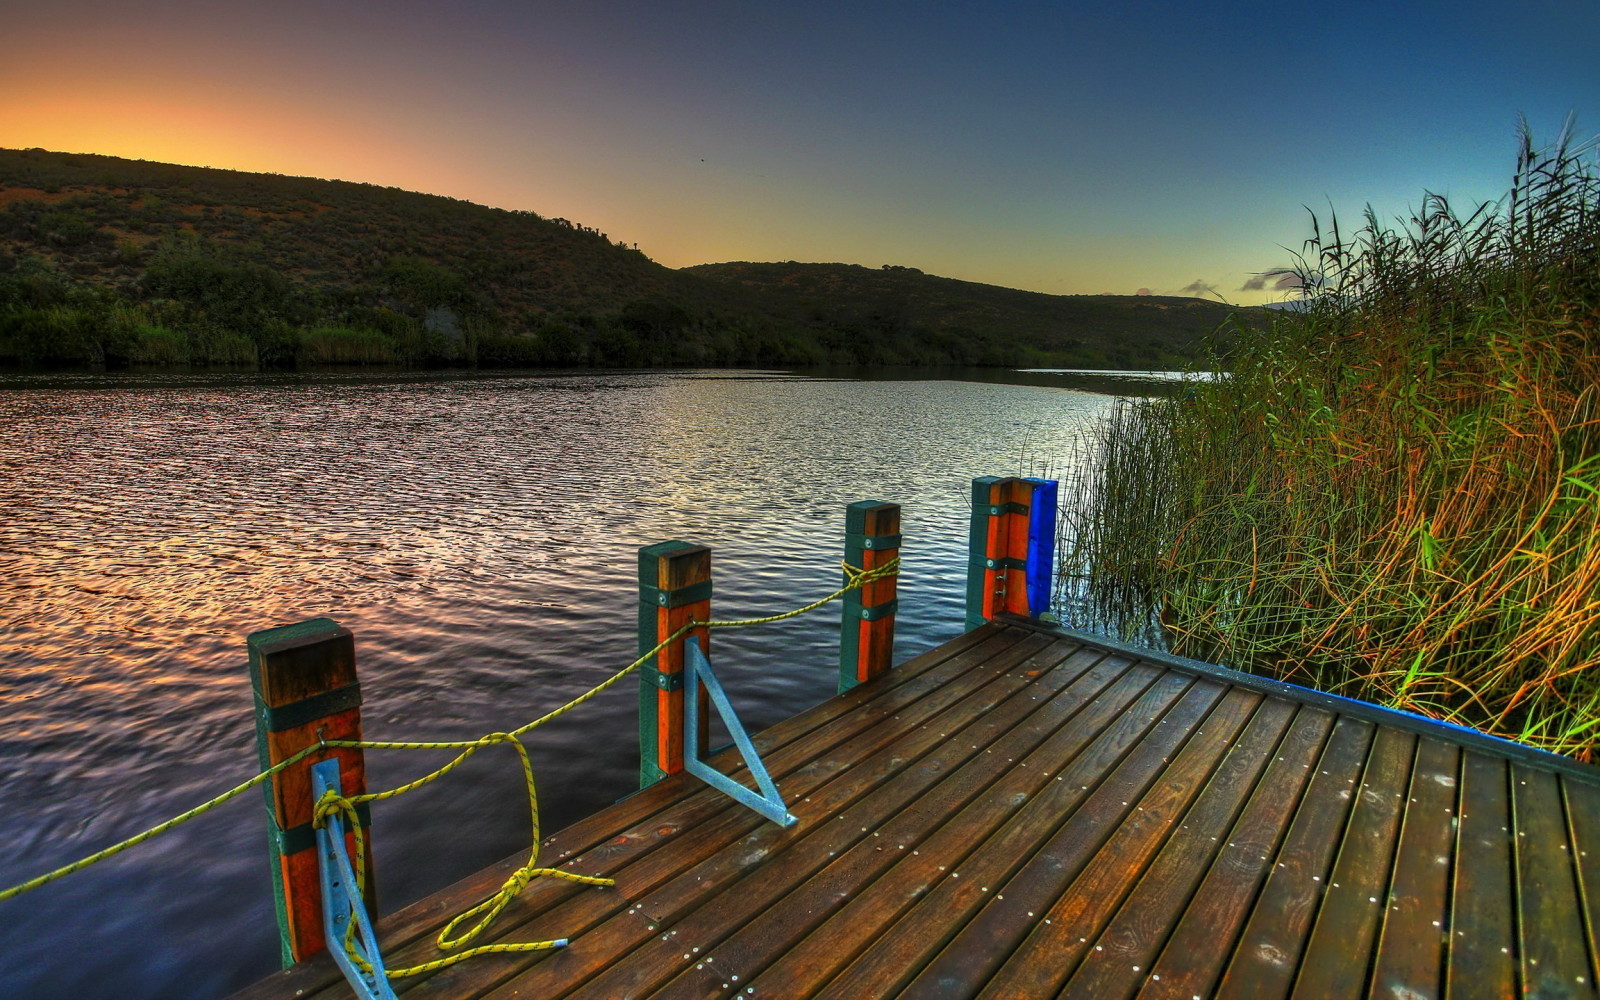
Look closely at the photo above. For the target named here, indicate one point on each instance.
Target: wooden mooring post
(866, 630)
(1011, 554)
(306, 691)
(674, 589)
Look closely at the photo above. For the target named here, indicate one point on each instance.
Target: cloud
(1282, 279)
(1198, 287)
(1142, 291)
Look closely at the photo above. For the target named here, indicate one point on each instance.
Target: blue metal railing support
(341, 901)
(769, 803)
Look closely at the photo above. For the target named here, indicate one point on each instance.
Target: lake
(478, 534)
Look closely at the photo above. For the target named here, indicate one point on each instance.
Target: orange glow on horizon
(214, 128)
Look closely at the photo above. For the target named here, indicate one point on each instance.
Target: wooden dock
(1026, 812)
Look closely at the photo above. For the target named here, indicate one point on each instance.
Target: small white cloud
(1281, 279)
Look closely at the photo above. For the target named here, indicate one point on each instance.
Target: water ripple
(477, 534)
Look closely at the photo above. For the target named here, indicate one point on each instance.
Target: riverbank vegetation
(106, 262)
(1396, 494)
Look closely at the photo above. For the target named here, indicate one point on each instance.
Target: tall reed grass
(1395, 495)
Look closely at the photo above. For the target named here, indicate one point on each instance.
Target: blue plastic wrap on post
(341, 901)
(1041, 545)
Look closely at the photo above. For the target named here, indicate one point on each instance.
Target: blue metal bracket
(341, 903)
(768, 803)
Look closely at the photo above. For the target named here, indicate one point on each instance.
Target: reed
(342, 345)
(1395, 495)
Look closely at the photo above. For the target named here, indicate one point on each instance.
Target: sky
(1061, 147)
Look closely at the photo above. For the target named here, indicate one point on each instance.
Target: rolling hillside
(968, 321)
(114, 262)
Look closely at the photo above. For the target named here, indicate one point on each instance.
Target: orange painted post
(998, 558)
(866, 639)
(304, 678)
(674, 589)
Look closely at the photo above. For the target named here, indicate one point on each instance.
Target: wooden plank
(1410, 955)
(702, 860)
(867, 915)
(630, 959)
(1203, 936)
(1119, 763)
(648, 819)
(977, 948)
(1268, 952)
(1053, 946)
(1337, 957)
(836, 858)
(1000, 783)
(1481, 961)
(1582, 800)
(1124, 955)
(1554, 958)
(832, 909)
(1467, 739)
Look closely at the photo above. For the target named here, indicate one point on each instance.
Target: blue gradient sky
(1059, 147)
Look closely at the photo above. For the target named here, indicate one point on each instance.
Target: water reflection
(477, 533)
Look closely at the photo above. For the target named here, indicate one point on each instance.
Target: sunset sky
(1060, 147)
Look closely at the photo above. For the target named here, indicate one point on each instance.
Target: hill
(107, 261)
(968, 322)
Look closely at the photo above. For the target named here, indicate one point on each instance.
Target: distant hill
(107, 261)
(968, 321)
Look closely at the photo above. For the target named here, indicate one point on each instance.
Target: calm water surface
(478, 536)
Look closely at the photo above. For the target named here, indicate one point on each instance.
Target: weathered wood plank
(1481, 962)
(978, 949)
(663, 885)
(1554, 958)
(1125, 952)
(1119, 764)
(1582, 799)
(838, 857)
(866, 917)
(1356, 897)
(1410, 956)
(1267, 954)
(1004, 784)
(1052, 947)
(1202, 939)
(1024, 814)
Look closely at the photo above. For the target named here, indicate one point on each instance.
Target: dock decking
(1029, 813)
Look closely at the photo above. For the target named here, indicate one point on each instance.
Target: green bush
(342, 345)
(158, 345)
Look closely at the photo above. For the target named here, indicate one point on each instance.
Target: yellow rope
(490, 907)
(154, 831)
